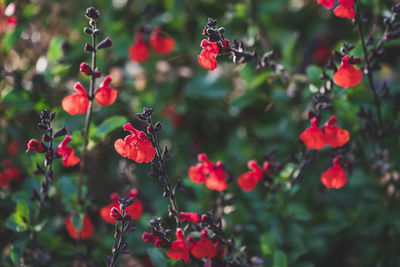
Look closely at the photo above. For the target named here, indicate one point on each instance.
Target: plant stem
(116, 249)
(369, 70)
(88, 115)
(165, 178)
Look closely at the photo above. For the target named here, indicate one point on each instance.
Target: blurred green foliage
(233, 114)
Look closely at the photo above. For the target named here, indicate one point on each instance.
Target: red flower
(35, 145)
(158, 242)
(327, 3)
(204, 247)
(335, 136)
(346, 75)
(105, 95)
(189, 216)
(4, 180)
(179, 249)
(67, 153)
(208, 56)
(136, 146)
(334, 177)
(248, 180)
(313, 137)
(213, 175)
(161, 44)
(77, 103)
(86, 230)
(345, 9)
(135, 210)
(138, 51)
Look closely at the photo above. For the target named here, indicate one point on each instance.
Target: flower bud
(115, 214)
(104, 44)
(97, 73)
(147, 237)
(88, 48)
(85, 68)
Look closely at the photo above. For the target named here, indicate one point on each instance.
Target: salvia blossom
(138, 51)
(313, 137)
(248, 181)
(347, 75)
(135, 210)
(86, 229)
(316, 138)
(179, 249)
(345, 9)
(159, 242)
(208, 56)
(204, 248)
(189, 216)
(213, 175)
(162, 45)
(78, 103)
(68, 154)
(105, 95)
(335, 176)
(136, 146)
(35, 145)
(9, 173)
(85, 68)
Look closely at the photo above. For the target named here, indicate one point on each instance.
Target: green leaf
(16, 250)
(157, 257)
(280, 259)
(107, 126)
(68, 191)
(19, 220)
(55, 51)
(268, 245)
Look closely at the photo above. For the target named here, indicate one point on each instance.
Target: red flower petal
(196, 174)
(189, 216)
(179, 249)
(105, 95)
(335, 136)
(217, 181)
(138, 51)
(67, 153)
(248, 180)
(208, 56)
(86, 231)
(161, 44)
(77, 103)
(204, 247)
(345, 11)
(334, 177)
(313, 137)
(34, 145)
(346, 75)
(136, 146)
(327, 3)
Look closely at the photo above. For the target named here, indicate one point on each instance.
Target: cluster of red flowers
(345, 9)
(66, 152)
(248, 181)
(179, 249)
(162, 45)
(9, 173)
(316, 138)
(78, 103)
(86, 230)
(347, 75)
(213, 175)
(136, 146)
(8, 20)
(135, 210)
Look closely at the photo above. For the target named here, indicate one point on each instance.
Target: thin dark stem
(369, 70)
(165, 178)
(117, 244)
(88, 115)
